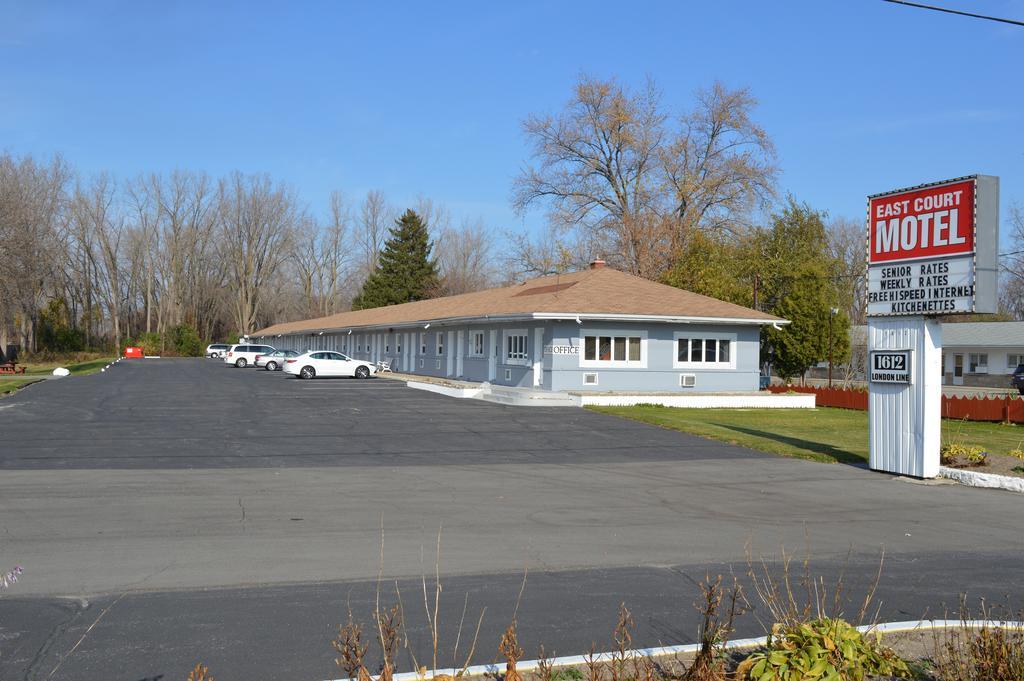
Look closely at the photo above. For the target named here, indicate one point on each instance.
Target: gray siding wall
(658, 369)
(457, 356)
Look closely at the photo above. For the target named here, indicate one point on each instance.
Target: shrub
(151, 343)
(185, 341)
(821, 649)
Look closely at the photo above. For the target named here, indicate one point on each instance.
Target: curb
(987, 480)
(665, 651)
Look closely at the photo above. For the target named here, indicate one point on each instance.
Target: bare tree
(32, 198)
(612, 167)
(375, 218)
(258, 221)
(336, 259)
(465, 257)
(100, 221)
(1011, 297)
(720, 164)
(847, 247)
(596, 163)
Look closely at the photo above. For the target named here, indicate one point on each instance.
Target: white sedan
(326, 363)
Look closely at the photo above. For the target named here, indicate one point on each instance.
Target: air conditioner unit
(590, 379)
(687, 380)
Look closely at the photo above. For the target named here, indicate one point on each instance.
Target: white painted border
(753, 401)
(450, 391)
(689, 648)
(978, 479)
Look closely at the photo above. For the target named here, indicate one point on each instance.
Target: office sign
(932, 249)
(561, 350)
(890, 366)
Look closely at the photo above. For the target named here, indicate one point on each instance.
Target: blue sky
(422, 98)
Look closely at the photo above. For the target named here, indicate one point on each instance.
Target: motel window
(477, 344)
(440, 343)
(423, 343)
(398, 345)
(1013, 360)
(978, 363)
(709, 352)
(613, 349)
(517, 347)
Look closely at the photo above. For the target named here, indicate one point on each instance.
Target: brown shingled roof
(600, 291)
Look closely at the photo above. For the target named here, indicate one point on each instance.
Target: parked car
(242, 355)
(327, 363)
(275, 360)
(1018, 378)
(217, 349)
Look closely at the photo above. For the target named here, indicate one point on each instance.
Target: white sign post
(932, 250)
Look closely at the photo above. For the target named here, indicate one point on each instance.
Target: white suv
(244, 354)
(217, 349)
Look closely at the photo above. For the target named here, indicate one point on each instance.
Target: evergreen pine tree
(405, 271)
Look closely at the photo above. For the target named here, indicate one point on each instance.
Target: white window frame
(704, 335)
(423, 342)
(613, 363)
(439, 344)
(1018, 359)
(979, 366)
(515, 361)
(473, 336)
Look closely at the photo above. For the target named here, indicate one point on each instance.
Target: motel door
(958, 369)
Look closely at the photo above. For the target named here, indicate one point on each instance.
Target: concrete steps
(525, 397)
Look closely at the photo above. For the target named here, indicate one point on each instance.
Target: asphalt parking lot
(174, 414)
(171, 511)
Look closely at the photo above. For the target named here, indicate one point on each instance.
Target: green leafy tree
(714, 265)
(405, 270)
(802, 282)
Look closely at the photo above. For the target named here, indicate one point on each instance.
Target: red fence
(1003, 409)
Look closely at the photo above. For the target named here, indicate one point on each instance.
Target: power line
(955, 11)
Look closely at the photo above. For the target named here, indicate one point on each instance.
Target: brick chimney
(597, 264)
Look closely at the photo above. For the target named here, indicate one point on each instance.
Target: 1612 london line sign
(932, 251)
(932, 248)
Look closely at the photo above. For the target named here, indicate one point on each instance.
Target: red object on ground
(133, 352)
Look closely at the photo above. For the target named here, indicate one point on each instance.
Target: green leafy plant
(971, 455)
(567, 674)
(821, 649)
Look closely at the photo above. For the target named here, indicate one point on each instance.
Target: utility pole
(831, 314)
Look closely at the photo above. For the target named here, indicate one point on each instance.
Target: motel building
(595, 330)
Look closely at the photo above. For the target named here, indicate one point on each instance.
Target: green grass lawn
(86, 366)
(823, 434)
(9, 385)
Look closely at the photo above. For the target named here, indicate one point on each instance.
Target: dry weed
(709, 663)
(510, 649)
(200, 673)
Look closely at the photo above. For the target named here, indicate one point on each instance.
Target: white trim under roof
(668, 319)
(544, 316)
